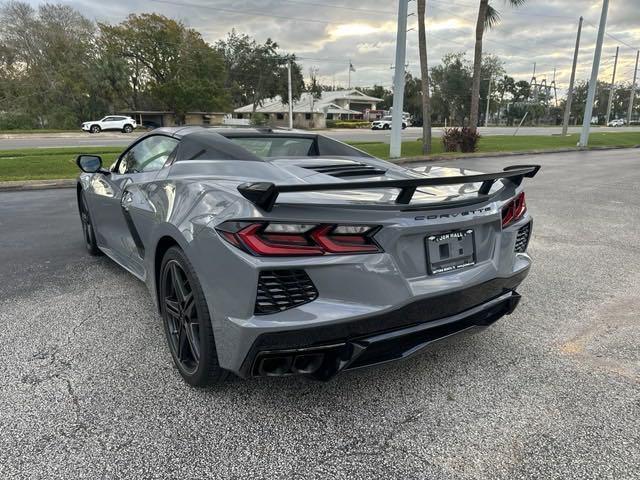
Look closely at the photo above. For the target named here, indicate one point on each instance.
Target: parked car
(618, 122)
(111, 122)
(272, 253)
(385, 123)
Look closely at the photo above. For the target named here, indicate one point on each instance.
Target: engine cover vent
(347, 169)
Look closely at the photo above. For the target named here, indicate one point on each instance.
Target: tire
(386, 127)
(127, 129)
(87, 227)
(404, 126)
(95, 129)
(187, 324)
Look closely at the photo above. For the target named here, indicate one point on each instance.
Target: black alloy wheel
(187, 323)
(181, 317)
(87, 227)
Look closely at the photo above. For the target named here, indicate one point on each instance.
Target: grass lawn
(50, 163)
(38, 131)
(509, 143)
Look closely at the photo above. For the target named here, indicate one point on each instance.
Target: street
(88, 388)
(113, 139)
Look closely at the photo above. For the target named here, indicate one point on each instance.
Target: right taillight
(514, 210)
(293, 239)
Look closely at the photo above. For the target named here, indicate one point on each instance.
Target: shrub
(348, 124)
(259, 119)
(460, 140)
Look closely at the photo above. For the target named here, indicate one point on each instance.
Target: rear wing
(265, 194)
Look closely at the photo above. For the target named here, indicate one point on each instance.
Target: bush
(259, 119)
(348, 124)
(460, 140)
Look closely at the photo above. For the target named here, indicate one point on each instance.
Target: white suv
(385, 123)
(112, 122)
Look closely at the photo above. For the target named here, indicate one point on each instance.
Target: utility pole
(567, 110)
(486, 116)
(350, 66)
(399, 79)
(633, 90)
(613, 86)
(593, 82)
(290, 96)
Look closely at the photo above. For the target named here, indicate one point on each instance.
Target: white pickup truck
(111, 122)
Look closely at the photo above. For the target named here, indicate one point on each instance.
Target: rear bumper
(322, 352)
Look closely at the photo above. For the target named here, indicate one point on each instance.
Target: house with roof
(310, 112)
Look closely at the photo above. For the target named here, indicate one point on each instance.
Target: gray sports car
(276, 252)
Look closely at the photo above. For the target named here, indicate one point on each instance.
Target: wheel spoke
(172, 307)
(178, 282)
(182, 341)
(192, 340)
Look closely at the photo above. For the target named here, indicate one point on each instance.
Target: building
(155, 119)
(310, 112)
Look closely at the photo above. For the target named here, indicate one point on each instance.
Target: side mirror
(89, 163)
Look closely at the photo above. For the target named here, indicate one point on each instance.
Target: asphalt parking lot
(88, 389)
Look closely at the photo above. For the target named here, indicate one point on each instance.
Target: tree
(256, 71)
(169, 63)
(488, 17)
(47, 59)
(451, 82)
(424, 72)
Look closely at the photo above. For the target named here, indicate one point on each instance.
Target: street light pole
(398, 83)
(633, 90)
(567, 109)
(613, 86)
(593, 82)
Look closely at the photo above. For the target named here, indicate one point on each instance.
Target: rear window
(280, 146)
(277, 146)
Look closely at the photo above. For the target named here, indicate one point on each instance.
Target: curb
(23, 185)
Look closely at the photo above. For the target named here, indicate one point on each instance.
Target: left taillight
(297, 239)
(514, 210)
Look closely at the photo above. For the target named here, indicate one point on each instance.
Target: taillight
(514, 210)
(289, 239)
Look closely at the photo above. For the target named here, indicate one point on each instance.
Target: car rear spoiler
(265, 194)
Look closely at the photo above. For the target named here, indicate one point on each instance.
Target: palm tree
(424, 73)
(488, 17)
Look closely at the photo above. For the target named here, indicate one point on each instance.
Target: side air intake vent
(522, 240)
(280, 290)
(351, 169)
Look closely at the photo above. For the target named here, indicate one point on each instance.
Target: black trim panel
(419, 312)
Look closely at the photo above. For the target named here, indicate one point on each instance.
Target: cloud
(327, 34)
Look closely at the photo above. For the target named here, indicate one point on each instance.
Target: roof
(308, 104)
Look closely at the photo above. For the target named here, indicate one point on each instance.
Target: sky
(326, 35)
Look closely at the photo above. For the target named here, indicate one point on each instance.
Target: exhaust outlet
(275, 366)
(307, 364)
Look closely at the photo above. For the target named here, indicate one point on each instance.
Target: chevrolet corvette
(273, 252)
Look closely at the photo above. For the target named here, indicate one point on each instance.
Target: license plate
(448, 252)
